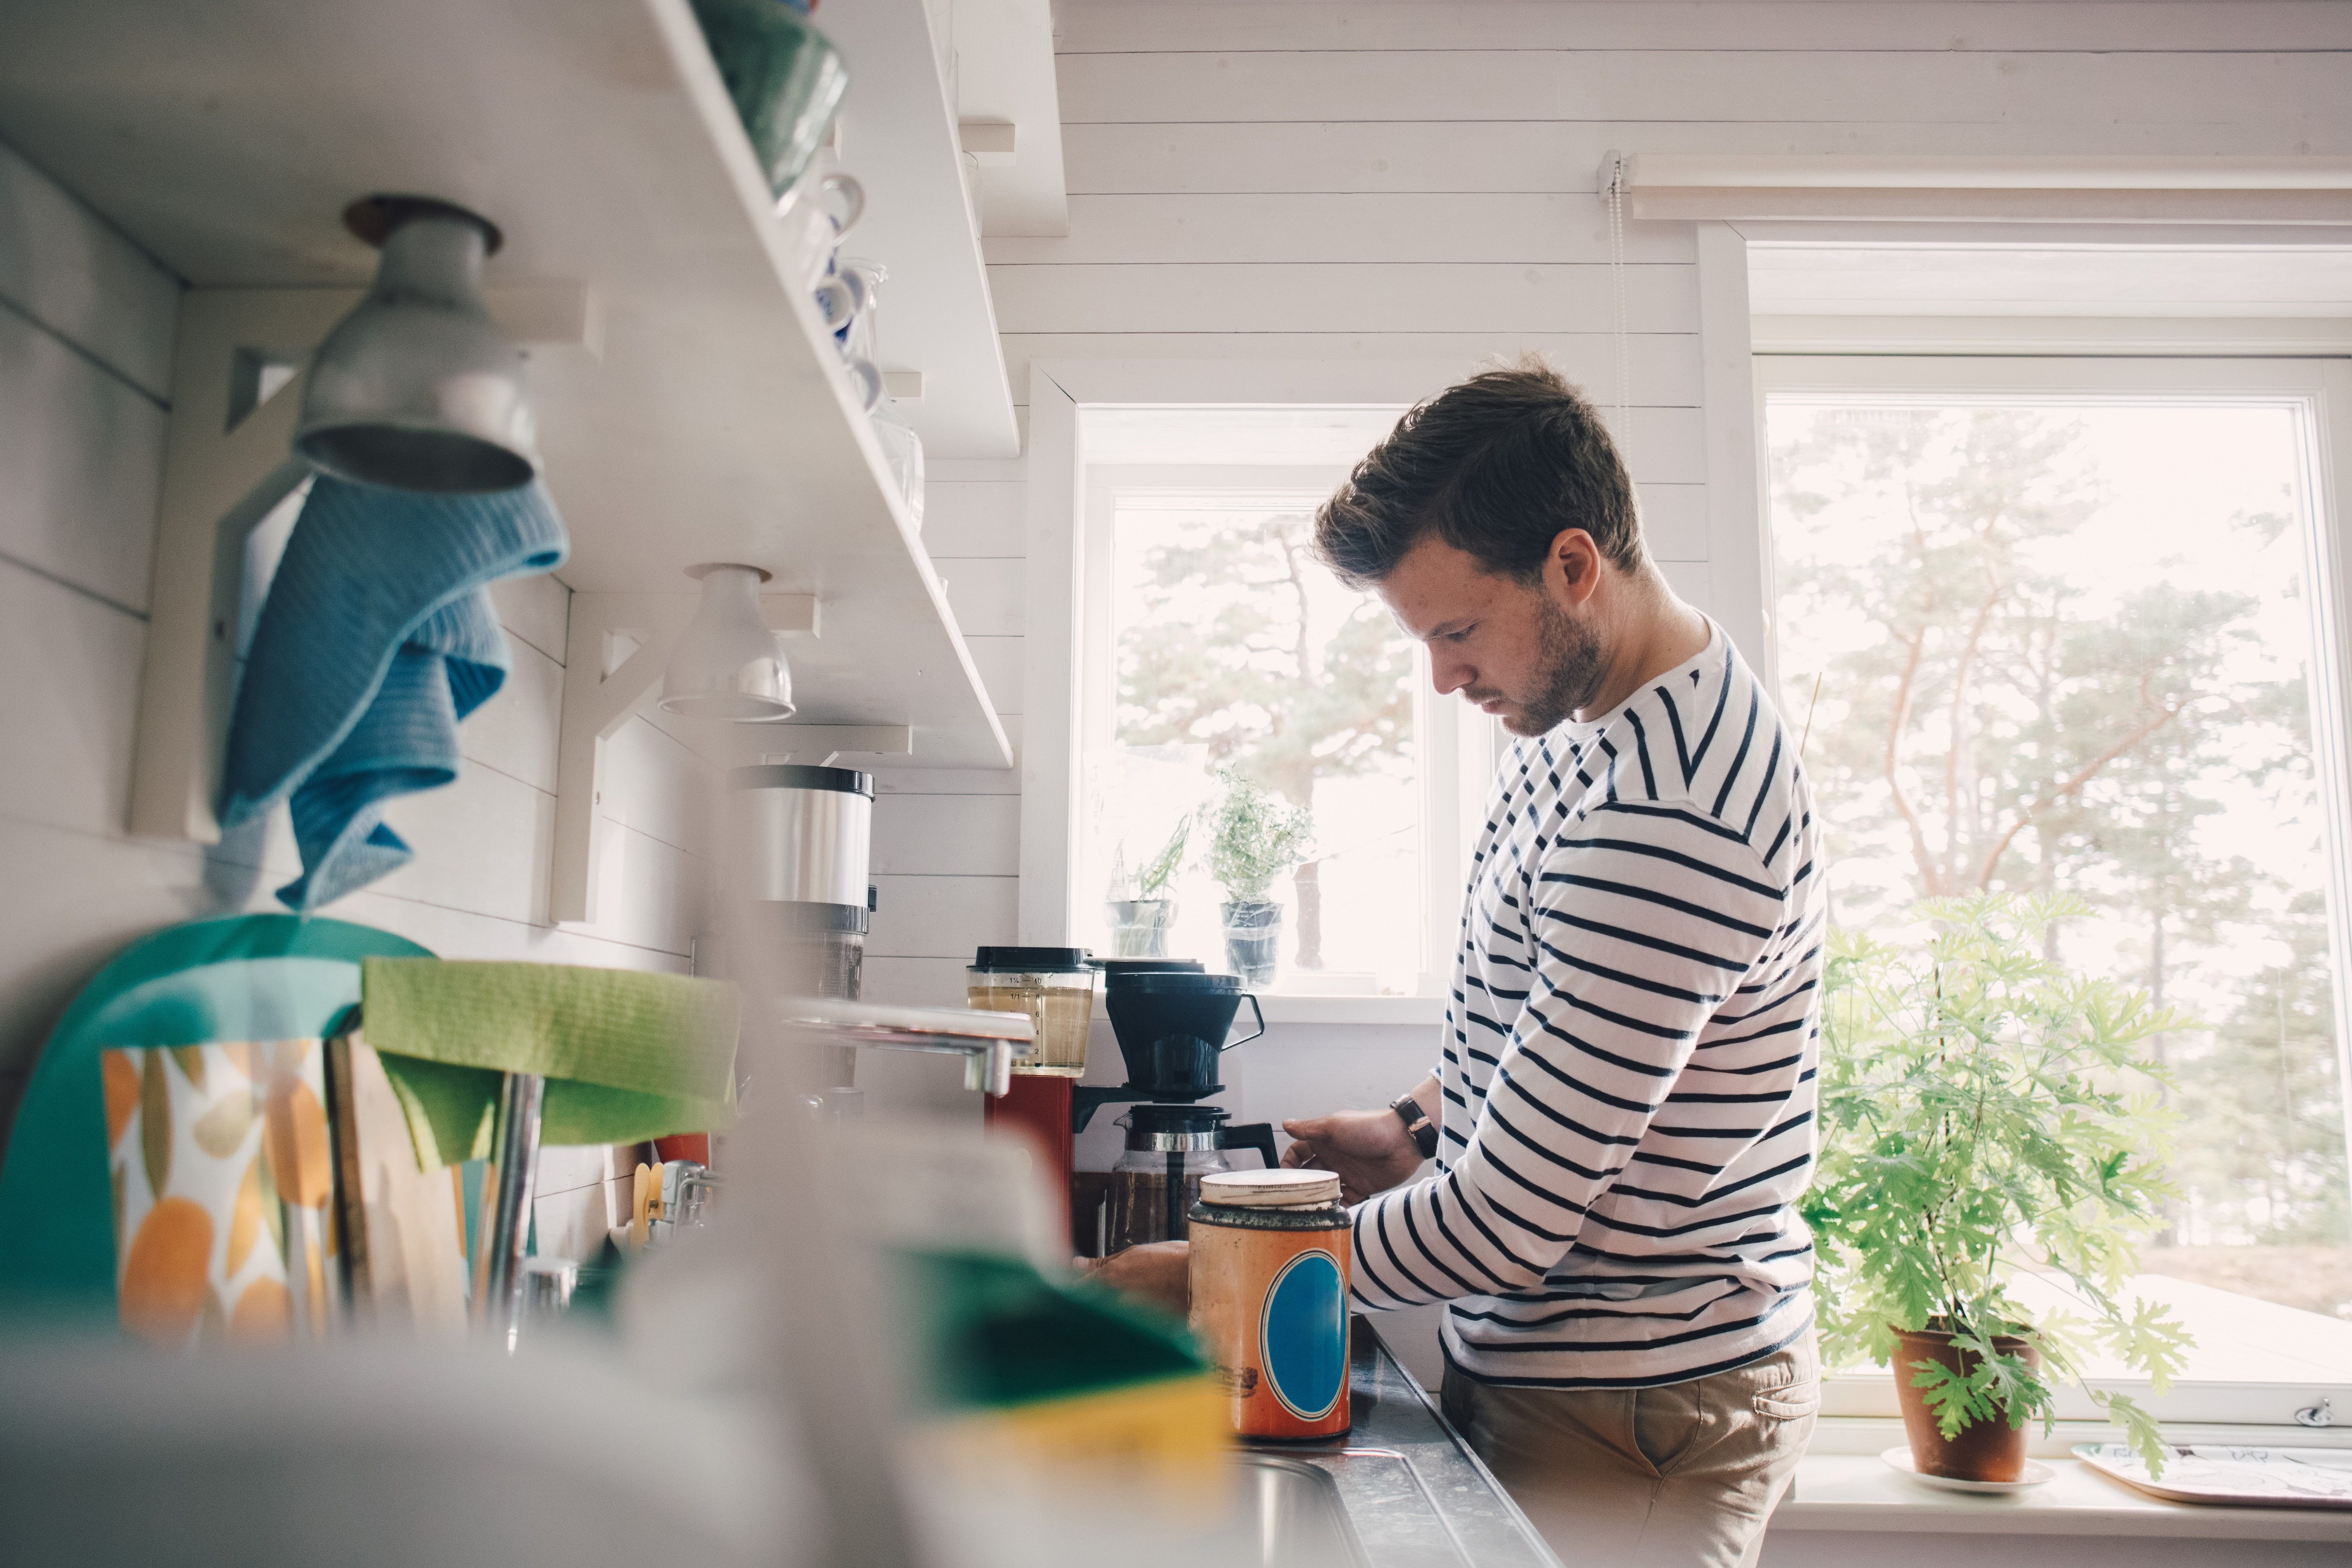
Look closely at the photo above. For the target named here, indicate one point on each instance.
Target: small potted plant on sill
(1254, 838)
(1141, 906)
(1985, 1114)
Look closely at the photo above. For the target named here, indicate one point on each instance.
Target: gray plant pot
(1140, 927)
(1253, 939)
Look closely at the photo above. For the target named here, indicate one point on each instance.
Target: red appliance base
(1038, 1109)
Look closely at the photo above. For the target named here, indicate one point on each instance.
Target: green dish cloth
(628, 1056)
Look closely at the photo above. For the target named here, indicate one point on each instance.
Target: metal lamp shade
(414, 390)
(728, 664)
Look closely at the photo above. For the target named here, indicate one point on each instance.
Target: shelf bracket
(228, 462)
(600, 693)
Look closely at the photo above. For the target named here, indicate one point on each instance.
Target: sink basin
(1296, 1516)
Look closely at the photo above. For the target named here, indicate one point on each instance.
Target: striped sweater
(1630, 1054)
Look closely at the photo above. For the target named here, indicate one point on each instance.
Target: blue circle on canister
(1302, 1335)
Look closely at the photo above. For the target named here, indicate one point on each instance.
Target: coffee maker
(1171, 1021)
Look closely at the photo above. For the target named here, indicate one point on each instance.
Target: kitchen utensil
(903, 449)
(547, 1287)
(866, 382)
(404, 1243)
(1053, 986)
(223, 1184)
(817, 214)
(797, 888)
(863, 277)
(414, 390)
(509, 1186)
(801, 835)
(836, 302)
(2232, 1475)
(1172, 1026)
(786, 79)
(1169, 1149)
(240, 977)
(1269, 1261)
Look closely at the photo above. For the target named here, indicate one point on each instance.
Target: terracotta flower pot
(1985, 1450)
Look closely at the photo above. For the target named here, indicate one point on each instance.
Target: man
(1623, 1117)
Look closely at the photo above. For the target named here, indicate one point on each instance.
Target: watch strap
(1417, 1124)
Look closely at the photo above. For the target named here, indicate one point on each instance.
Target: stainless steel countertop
(1415, 1492)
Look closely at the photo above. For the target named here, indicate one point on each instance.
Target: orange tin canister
(1270, 1257)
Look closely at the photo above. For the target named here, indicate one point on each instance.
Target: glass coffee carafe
(1168, 1149)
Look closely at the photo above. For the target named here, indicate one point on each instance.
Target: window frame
(2319, 389)
(1053, 470)
(1458, 747)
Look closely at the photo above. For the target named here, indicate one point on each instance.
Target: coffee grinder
(1171, 1022)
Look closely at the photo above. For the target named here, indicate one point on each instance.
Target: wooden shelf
(691, 406)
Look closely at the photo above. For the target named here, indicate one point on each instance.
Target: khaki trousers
(1674, 1477)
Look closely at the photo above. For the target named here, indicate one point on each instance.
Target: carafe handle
(1257, 1135)
(1246, 1039)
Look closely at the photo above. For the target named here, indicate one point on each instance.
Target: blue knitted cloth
(378, 635)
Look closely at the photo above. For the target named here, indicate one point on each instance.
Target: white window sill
(1838, 1489)
(1404, 1011)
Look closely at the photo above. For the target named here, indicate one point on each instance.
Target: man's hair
(1498, 466)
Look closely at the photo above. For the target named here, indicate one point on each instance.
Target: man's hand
(1369, 1150)
(1158, 1272)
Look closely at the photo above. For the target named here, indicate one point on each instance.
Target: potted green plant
(1254, 838)
(1985, 1114)
(1141, 906)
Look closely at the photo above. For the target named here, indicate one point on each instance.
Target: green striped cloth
(628, 1056)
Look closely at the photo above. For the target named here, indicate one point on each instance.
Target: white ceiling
(1909, 279)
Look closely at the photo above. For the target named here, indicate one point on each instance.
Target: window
(1220, 657)
(2071, 626)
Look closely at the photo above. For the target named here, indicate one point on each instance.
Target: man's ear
(1573, 569)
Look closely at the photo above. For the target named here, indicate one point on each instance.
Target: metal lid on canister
(1271, 1189)
(786, 776)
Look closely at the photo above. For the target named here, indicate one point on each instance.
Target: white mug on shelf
(865, 376)
(815, 214)
(837, 302)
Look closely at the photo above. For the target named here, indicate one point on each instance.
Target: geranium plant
(1988, 1113)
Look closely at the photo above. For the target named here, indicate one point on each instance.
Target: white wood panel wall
(1394, 181)
(86, 329)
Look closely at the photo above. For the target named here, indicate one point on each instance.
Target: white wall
(1396, 181)
(86, 340)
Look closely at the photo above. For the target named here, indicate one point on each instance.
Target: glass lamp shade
(728, 664)
(414, 390)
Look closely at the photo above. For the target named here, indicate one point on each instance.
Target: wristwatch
(1417, 1124)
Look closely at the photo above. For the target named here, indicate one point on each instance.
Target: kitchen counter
(1414, 1494)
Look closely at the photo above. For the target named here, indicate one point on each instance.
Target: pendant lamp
(414, 390)
(728, 664)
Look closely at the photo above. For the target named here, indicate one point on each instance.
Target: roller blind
(2052, 188)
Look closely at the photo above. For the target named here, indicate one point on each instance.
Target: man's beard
(1572, 670)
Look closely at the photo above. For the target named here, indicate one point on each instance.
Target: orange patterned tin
(1270, 1257)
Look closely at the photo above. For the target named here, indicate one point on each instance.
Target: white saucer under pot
(2036, 1474)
